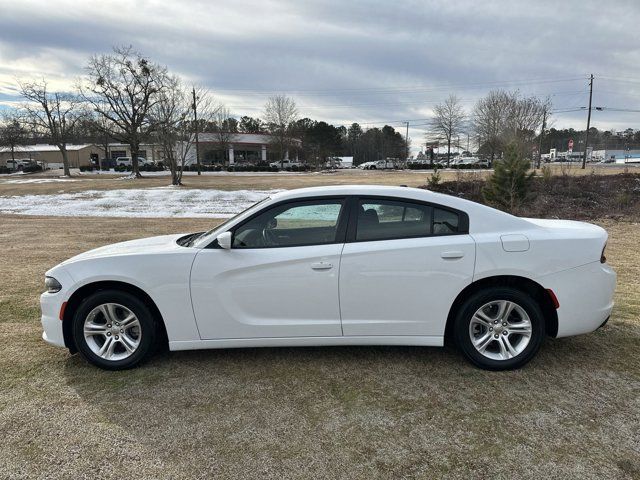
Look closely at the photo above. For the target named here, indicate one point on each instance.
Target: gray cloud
(349, 61)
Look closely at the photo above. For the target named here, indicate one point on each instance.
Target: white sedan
(347, 265)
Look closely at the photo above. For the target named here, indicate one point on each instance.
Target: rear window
(388, 219)
(445, 222)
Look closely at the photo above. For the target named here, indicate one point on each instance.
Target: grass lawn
(366, 412)
(15, 184)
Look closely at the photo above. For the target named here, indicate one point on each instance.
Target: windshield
(221, 228)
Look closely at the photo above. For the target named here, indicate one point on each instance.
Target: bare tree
(170, 120)
(223, 132)
(447, 122)
(123, 87)
(503, 118)
(280, 114)
(12, 132)
(54, 114)
(172, 126)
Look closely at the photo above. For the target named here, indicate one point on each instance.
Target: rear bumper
(585, 295)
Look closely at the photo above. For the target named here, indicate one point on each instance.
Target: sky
(373, 62)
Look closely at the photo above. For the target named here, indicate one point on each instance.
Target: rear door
(403, 265)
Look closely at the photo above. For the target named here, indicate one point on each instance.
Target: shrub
(510, 185)
(434, 180)
(546, 173)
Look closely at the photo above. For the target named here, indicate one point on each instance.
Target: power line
(399, 89)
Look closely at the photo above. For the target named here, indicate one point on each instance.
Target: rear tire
(499, 328)
(114, 330)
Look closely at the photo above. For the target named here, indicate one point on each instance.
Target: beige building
(50, 157)
(148, 151)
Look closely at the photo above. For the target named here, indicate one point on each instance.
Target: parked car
(19, 164)
(344, 265)
(377, 165)
(470, 161)
(126, 161)
(285, 164)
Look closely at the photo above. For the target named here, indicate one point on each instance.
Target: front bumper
(50, 304)
(585, 295)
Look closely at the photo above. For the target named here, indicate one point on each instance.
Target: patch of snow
(41, 180)
(153, 202)
(165, 173)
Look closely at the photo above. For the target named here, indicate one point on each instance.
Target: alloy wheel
(112, 331)
(500, 330)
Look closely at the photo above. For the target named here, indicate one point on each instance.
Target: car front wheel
(114, 330)
(499, 328)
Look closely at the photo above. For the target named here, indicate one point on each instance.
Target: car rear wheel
(114, 330)
(499, 328)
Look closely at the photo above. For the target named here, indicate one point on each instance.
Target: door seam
(339, 293)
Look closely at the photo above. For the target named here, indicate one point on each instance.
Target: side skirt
(408, 340)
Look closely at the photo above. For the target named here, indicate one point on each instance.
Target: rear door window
(390, 219)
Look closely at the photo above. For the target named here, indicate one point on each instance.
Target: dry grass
(368, 412)
(412, 178)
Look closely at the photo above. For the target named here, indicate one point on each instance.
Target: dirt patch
(586, 197)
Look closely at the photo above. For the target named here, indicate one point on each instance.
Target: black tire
(148, 328)
(462, 321)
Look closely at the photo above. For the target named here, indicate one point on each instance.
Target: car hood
(150, 245)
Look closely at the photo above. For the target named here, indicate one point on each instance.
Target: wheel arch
(526, 285)
(84, 291)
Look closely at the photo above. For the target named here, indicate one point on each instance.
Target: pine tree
(510, 185)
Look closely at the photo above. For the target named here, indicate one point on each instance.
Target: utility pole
(195, 119)
(586, 137)
(544, 125)
(406, 142)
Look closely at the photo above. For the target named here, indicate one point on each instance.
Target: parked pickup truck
(285, 164)
(126, 161)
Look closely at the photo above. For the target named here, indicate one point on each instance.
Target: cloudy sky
(373, 62)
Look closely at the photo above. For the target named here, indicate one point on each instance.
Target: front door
(279, 279)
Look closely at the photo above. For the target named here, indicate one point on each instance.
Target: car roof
(377, 190)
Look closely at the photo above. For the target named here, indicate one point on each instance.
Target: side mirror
(224, 240)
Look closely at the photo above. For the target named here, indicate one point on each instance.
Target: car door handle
(321, 265)
(452, 254)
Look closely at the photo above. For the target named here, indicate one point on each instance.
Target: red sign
(571, 144)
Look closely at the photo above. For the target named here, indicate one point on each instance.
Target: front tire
(114, 330)
(499, 328)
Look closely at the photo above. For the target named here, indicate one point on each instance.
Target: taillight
(603, 259)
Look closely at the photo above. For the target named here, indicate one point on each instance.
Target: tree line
(126, 97)
(499, 119)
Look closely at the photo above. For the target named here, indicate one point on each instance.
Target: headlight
(52, 285)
